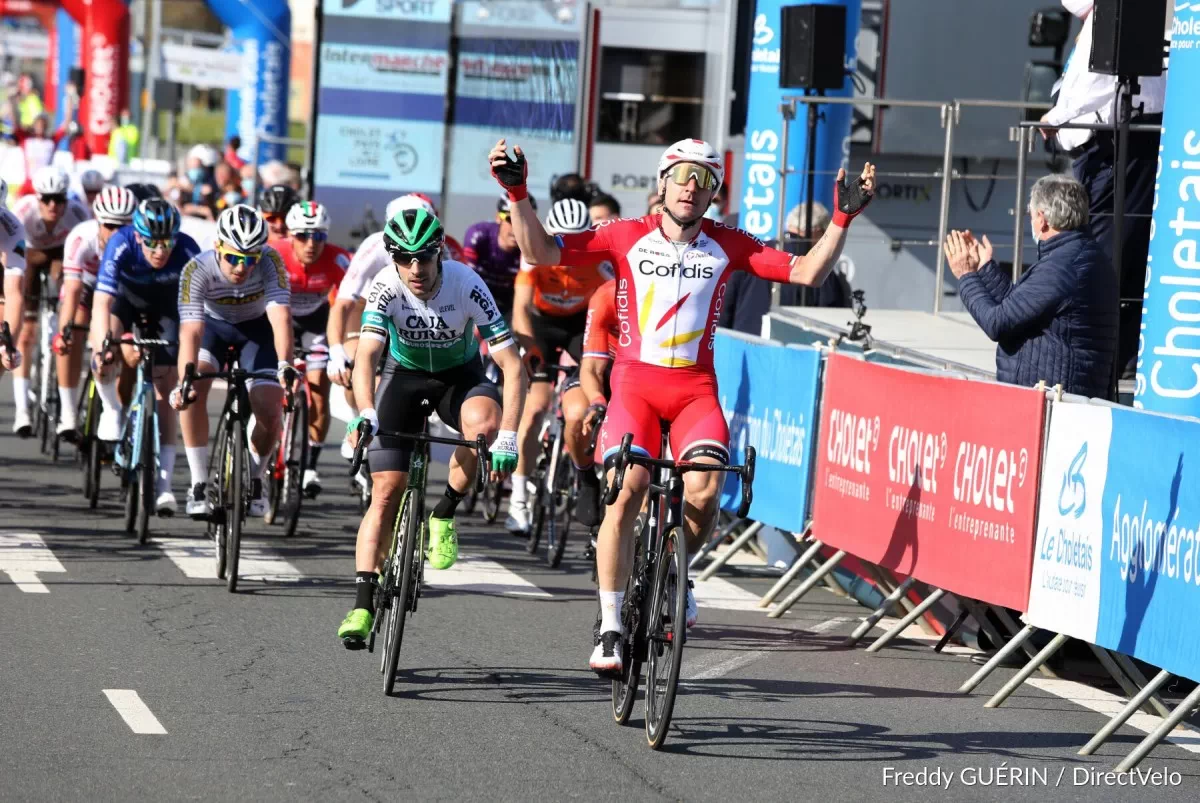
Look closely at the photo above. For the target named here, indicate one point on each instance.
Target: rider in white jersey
(12, 249)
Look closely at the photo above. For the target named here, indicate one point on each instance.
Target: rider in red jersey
(671, 273)
(315, 269)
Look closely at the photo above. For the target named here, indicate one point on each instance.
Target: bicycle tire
(293, 466)
(85, 412)
(563, 501)
(216, 491)
(491, 503)
(624, 687)
(471, 501)
(237, 497)
(93, 470)
(398, 612)
(146, 474)
(128, 478)
(666, 639)
(538, 504)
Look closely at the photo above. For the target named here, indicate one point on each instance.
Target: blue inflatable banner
(769, 397)
(759, 205)
(1168, 358)
(1117, 558)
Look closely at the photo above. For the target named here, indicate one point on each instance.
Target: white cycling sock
(197, 457)
(520, 490)
(107, 391)
(610, 611)
(166, 468)
(21, 393)
(66, 404)
(256, 462)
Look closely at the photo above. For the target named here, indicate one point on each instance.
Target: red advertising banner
(931, 477)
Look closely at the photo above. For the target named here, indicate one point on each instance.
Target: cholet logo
(1072, 497)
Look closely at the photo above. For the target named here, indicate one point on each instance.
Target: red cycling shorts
(645, 395)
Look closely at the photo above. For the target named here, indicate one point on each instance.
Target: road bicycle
(655, 610)
(403, 571)
(289, 458)
(91, 452)
(44, 376)
(135, 459)
(229, 462)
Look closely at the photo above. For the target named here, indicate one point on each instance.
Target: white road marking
(196, 558)
(1106, 703)
(472, 573)
(831, 624)
(716, 592)
(136, 714)
(23, 556)
(724, 667)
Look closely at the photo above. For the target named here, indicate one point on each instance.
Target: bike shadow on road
(501, 684)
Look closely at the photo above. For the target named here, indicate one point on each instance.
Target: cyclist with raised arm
(48, 217)
(235, 296)
(491, 249)
(12, 290)
(671, 269)
(112, 209)
(548, 318)
(139, 280)
(315, 268)
(274, 203)
(426, 310)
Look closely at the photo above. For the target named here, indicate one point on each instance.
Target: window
(649, 97)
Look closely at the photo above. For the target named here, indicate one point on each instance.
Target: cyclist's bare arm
(72, 290)
(537, 246)
(280, 318)
(522, 315)
(101, 310)
(591, 377)
(14, 304)
(365, 362)
(339, 314)
(190, 335)
(515, 385)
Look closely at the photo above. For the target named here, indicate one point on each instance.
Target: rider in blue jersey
(139, 284)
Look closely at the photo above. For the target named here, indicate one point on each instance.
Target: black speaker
(1127, 37)
(812, 47)
(168, 96)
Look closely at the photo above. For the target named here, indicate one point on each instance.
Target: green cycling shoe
(355, 629)
(443, 543)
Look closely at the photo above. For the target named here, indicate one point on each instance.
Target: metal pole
(950, 631)
(810, 148)
(980, 614)
(808, 584)
(911, 617)
(1110, 666)
(1008, 649)
(788, 110)
(1019, 204)
(1016, 680)
(1011, 626)
(1122, 716)
(153, 64)
(866, 624)
(721, 560)
(790, 574)
(1135, 674)
(949, 118)
(1182, 710)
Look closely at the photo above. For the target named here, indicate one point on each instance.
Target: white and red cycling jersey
(669, 295)
(82, 253)
(312, 284)
(38, 234)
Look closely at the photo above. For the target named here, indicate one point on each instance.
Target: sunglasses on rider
(165, 244)
(235, 258)
(273, 218)
(315, 236)
(110, 227)
(684, 172)
(53, 199)
(405, 258)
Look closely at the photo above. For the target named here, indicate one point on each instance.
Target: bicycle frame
(143, 400)
(299, 393)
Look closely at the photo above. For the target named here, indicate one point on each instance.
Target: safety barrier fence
(1082, 516)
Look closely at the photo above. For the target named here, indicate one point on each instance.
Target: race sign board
(1117, 557)
(930, 476)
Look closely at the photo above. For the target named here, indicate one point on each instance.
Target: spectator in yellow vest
(123, 144)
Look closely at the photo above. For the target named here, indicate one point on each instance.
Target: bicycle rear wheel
(562, 510)
(128, 476)
(541, 499)
(295, 461)
(624, 688)
(147, 473)
(218, 462)
(491, 503)
(86, 412)
(402, 587)
(235, 496)
(666, 632)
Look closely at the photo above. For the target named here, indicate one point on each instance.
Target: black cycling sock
(364, 590)
(587, 476)
(448, 503)
(314, 454)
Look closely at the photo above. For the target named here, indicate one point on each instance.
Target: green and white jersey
(438, 333)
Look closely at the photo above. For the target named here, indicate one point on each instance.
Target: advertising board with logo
(776, 418)
(384, 69)
(1117, 557)
(380, 154)
(930, 476)
(759, 204)
(410, 10)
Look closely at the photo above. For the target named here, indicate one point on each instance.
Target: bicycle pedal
(354, 643)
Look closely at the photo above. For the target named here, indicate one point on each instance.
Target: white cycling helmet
(307, 216)
(410, 201)
(242, 228)
(50, 180)
(114, 206)
(568, 216)
(697, 151)
(91, 180)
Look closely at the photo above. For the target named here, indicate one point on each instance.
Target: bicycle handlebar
(479, 445)
(626, 456)
(6, 337)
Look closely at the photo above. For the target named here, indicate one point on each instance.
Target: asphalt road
(255, 698)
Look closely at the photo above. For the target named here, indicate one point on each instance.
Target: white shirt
(82, 253)
(1087, 97)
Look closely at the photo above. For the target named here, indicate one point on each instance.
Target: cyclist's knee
(479, 416)
(700, 488)
(574, 405)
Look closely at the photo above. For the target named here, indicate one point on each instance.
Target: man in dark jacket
(1058, 322)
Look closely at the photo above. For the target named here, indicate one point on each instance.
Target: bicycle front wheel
(147, 473)
(408, 528)
(218, 461)
(235, 501)
(295, 460)
(491, 502)
(128, 476)
(624, 688)
(562, 510)
(665, 633)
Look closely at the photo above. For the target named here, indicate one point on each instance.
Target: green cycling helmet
(411, 232)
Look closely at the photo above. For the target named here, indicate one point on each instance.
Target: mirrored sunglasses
(315, 236)
(684, 172)
(53, 199)
(235, 258)
(157, 245)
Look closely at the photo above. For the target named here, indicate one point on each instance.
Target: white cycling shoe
(166, 504)
(108, 428)
(606, 657)
(22, 424)
(198, 506)
(310, 483)
(692, 608)
(258, 499)
(520, 517)
(347, 450)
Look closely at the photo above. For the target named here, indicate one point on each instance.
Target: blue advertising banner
(759, 205)
(1168, 370)
(769, 396)
(1117, 558)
